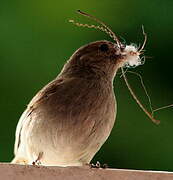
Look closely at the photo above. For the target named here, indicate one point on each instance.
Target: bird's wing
(43, 94)
(18, 130)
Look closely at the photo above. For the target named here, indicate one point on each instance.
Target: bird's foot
(37, 162)
(98, 165)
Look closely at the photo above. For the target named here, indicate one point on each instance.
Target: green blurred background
(36, 40)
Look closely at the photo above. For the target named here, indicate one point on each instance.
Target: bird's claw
(98, 165)
(37, 162)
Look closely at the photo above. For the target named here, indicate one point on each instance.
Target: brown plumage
(71, 117)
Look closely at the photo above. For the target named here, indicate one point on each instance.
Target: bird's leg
(37, 161)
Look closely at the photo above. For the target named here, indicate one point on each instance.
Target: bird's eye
(104, 47)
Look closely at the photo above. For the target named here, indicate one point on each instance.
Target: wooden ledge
(22, 172)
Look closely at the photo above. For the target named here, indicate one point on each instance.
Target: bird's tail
(19, 160)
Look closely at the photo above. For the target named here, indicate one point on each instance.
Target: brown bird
(68, 121)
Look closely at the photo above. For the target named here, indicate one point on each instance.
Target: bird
(68, 121)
